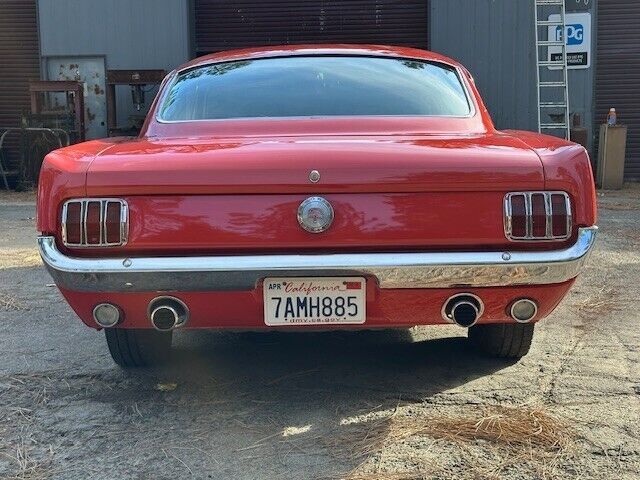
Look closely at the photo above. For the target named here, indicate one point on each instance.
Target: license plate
(314, 301)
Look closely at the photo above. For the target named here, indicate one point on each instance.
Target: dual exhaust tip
(167, 313)
(465, 309)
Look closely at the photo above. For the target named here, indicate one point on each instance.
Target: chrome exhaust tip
(523, 310)
(167, 313)
(463, 309)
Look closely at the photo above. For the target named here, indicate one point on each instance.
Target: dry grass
(507, 426)
(618, 206)
(390, 476)
(25, 466)
(19, 258)
(11, 303)
(492, 439)
(17, 197)
(600, 302)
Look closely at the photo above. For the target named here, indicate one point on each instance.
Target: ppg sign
(577, 39)
(575, 34)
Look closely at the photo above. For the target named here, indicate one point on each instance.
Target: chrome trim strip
(104, 205)
(64, 223)
(124, 222)
(392, 270)
(508, 216)
(569, 213)
(548, 211)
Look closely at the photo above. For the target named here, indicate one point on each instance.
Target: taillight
(95, 222)
(537, 216)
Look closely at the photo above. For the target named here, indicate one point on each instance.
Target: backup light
(523, 310)
(107, 315)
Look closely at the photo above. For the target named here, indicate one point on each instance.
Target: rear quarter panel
(567, 168)
(63, 175)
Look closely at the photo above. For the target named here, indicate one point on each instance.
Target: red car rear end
(316, 187)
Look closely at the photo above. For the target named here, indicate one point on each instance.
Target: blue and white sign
(578, 39)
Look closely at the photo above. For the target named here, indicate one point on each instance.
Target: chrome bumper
(242, 272)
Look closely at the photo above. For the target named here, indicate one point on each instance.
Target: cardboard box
(611, 156)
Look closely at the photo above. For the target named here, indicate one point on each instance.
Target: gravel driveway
(405, 405)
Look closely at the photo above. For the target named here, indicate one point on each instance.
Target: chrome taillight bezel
(104, 203)
(548, 206)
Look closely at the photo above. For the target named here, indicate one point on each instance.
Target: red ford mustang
(332, 187)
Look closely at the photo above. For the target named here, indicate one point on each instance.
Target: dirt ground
(399, 406)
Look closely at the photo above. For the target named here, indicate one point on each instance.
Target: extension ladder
(553, 91)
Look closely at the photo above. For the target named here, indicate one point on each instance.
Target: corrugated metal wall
(18, 64)
(618, 72)
(495, 39)
(227, 24)
(140, 34)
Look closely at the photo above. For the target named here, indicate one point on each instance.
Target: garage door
(227, 24)
(618, 72)
(19, 63)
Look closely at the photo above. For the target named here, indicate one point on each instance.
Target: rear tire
(502, 340)
(131, 348)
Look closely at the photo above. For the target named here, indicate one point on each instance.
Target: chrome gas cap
(315, 214)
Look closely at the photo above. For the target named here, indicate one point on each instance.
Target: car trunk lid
(355, 164)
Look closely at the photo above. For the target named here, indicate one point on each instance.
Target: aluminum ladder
(553, 91)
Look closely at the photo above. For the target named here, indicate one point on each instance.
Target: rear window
(315, 86)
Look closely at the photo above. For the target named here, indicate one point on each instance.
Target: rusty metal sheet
(91, 71)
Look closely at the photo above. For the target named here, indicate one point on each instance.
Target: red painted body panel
(371, 163)
(566, 168)
(229, 224)
(396, 183)
(385, 308)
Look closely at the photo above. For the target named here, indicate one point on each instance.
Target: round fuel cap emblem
(315, 214)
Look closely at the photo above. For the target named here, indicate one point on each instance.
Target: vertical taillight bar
(72, 215)
(95, 222)
(561, 215)
(537, 216)
(112, 219)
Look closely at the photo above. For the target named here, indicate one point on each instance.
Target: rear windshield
(315, 86)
